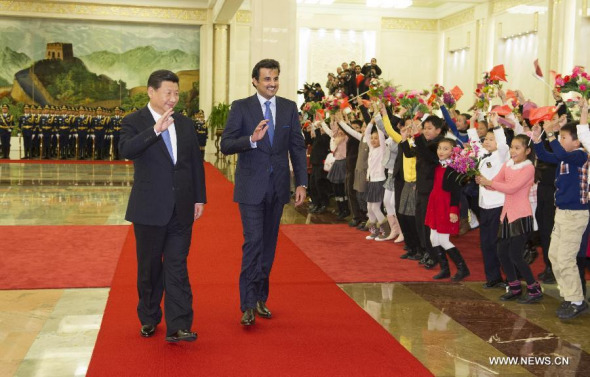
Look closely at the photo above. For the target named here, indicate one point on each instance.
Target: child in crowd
(337, 173)
(442, 213)
(515, 180)
(571, 214)
(426, 141)
(494, 154)
(378, 224)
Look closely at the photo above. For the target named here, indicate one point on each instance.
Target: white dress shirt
(171, 131)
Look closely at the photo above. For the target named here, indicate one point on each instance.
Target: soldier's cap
(117, 108)
(64, 107)
(46, 107)
(26, 107)
(99, 108)
(5, 106)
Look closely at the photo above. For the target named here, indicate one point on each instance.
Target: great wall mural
(60, 62)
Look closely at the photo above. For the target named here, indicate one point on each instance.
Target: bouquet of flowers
(578, 81)
(310, 109)
(465, 161)
(438, 91)
(385, 91)
(488, 88)
(332, 103)
(449, 100)
(413, 102)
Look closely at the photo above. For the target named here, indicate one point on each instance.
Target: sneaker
(573, 310)
(473, 223)
(562, 306)
(549, 278)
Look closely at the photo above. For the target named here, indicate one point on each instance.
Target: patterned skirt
(518, 227)
(338, 172)
(407, 201)
(389, 183)
(375, 192)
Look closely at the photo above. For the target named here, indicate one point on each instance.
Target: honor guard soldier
(116, 127)
(73, 132)
(36, 119)
(46, 132)
(6, 125)
(201, 129)
(25, 123)
(82, 122)
(54, 122)
(99, 125)
(63, 132)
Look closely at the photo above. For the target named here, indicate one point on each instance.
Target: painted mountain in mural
(10, 63)
(134, 66)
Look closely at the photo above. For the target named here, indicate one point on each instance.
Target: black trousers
(423, 230)
(355, 208)
(162, 252)
(545, 215)
(320, 187)
(261, 229)
(511, 254)
(489, 223)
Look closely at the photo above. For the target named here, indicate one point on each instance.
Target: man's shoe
(182, 335)
(549, 278)
(530, 299)
(320, 209)
(262, 310)
(498, 283)
(573, 310)
(147, 330)
(248, 318)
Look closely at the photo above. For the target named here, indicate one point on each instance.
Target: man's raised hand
(165, 121)
(259, 131)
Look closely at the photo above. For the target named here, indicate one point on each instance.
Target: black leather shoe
(528, 299)
(262, 310)
(147, 330)
(182, 335)
(498, 283)
(508, 296)
(248, 318)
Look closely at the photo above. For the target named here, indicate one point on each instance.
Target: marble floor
(453, 329)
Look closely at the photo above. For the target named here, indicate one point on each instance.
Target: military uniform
(201, 130)
(25, 123)
(63, 132)
(116, 127)
(100, 126)
(6, 125)
(82, 125)
(46, 131)
(36, 142)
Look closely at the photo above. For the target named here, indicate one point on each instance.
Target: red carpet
(78, 162)
(34, 257)
(344, 255)
(316, 329)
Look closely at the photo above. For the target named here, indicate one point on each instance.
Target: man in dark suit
(168, 194)
(264, 130)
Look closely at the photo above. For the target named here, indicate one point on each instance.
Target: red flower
(567, 78)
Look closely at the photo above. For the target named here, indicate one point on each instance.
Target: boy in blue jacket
(571, 215)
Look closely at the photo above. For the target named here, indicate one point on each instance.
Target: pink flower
(583, 87)
(559, 81)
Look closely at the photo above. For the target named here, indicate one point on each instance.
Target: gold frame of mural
(104, 12)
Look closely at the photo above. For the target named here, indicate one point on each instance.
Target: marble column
(206, 69)
(220, 64)
(274, 36)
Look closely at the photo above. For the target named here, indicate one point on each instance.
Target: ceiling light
(527, 9)
(388, 3)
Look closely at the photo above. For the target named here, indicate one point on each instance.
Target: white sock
(577, 303)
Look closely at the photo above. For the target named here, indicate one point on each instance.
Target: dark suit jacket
(160, 186)
(254, 164)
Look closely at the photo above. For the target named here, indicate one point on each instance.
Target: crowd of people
(72, 132)
(393, 174)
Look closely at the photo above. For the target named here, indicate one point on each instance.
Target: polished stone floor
(453, 329)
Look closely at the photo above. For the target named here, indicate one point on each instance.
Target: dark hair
(448, 140)
(572, 129)
(525, 140)
(265, 63)
(436, 123)
(357, 122)
(156, 78)
(485, 122)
